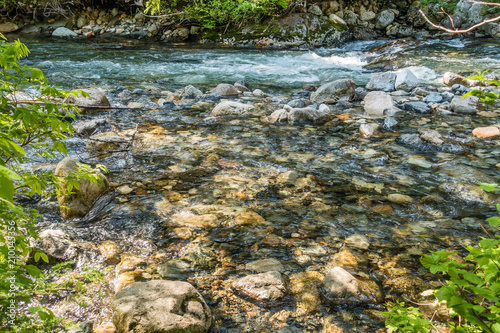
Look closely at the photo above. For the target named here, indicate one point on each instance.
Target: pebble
(399, 198)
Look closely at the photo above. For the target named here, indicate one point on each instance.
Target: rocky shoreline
(265, 238)
(326, 24)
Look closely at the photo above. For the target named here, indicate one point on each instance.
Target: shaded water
(182, 163)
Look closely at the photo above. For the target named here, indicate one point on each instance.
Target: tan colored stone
(8, 27)
(106, 328)
(305, 287)
(348, 257)
(127, 278)
(486, 132)
(189, 219)
(399, 198)
(129, 262)
(110, 251)
(248, 218)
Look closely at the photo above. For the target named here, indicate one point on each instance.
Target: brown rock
(8, 27)
(305, 287)
(486, 132)
(382, 209)
(127, 278)
(451, 79)
(110, 251)
(248, 218)
(188, 219)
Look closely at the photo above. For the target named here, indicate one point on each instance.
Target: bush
(472, 291)
(210, 13)
(31, 122)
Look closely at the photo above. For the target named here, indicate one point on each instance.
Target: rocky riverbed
(303, 211)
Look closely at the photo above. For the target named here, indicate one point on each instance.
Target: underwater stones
(189, 219)
(348, 258)
(467, 105)
(110, 251)
(378, 103)
(486, 132)
(265, 265)
(368, 130)
(79, 202)
(410, 140)
(103, 144)
(357, 241)
(268, 287)
(468, 193)
(405, 80)
(225, 90)
(341, 287)
(432, 136)
(305, 288)
(175, 270)
(399, 198)
(248, 218)
(57, 245)
(96, 99)
(382, 81)
(333, 92)
(450, 79)
(198, 255)
(230, 108)
(89, 127)
(289, 177)
(161, 307)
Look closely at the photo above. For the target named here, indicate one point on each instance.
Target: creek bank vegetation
(269, 23)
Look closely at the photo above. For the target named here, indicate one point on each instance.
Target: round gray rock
(332, 92)
(160, 307)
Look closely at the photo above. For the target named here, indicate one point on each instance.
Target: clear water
(240, 160)
(138, 64)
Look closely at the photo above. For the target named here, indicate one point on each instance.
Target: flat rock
(64, 33)
(378, 103)
(8, 27)
(417, 107)
(399, 198)
(225, 90)
(265, 265)
(467, 105)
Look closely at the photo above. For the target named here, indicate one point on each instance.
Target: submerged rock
(161, 307)
(341, 287)
(79, 202)
(333, 92)
(268, 286)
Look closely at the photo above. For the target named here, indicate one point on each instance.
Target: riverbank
(323, 24)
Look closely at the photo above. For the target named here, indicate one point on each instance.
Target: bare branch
(484, 3)
(458, 31)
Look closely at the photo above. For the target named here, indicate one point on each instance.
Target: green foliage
(405, 320)
(210, 13)
(487, 97)
(472, 290)
(40, 127)
(448, 6)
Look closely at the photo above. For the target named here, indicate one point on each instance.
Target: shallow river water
(296, 194)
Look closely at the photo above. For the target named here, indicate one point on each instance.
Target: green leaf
(32, 270)
(488, 243)
(494, 221)
(6, 185)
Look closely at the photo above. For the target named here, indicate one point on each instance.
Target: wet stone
(305, 287)
(268, 287)
(175, 270)
(399, 198)
(357, 241)
(265, 265)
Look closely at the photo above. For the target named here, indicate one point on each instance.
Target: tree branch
(458, 31)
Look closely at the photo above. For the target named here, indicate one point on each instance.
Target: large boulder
(333, 92)
(79, 201)
(96, 99)
(378, 104)
(382, 81)
(230, 108)
(160, 307)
